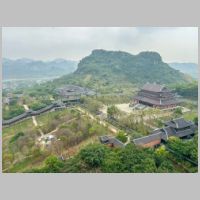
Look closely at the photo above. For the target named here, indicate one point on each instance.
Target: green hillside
(116, 67)
(117, 72)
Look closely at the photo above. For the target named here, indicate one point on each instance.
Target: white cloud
(174, 44)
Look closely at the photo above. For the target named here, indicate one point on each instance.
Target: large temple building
(177, 127)
(157, 96)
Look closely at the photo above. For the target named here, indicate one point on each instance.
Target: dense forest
(188, 90)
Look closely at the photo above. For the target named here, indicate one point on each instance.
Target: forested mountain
(27, 68)
(187, 68)
(117, 68)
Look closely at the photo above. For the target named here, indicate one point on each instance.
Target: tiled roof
(153, 87)
(156, 102)
(149, 138)
(185, 132)
(170, 131)
(104, 139)
(116, 142)
(111, 140)
(43, 109)
(179, 123)
(74, 90)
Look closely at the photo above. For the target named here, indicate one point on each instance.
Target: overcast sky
(173, 44)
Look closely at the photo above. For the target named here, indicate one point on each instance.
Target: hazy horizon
(51, 60)
(174, 44)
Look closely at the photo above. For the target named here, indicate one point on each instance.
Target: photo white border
(99, 13)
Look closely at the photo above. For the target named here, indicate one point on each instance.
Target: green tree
(178, 112)
(188, 90)
(93, 130)
(160, 155)
(135, 159)
(147, 165)
(182, 148)
(92, 105)
(13, 111)
(166, 167)
(113, 112)
(121, 136)
(196, 120)
(112, 163)
(93, 155)
(53, 164)
(16, 136)
(37, 105)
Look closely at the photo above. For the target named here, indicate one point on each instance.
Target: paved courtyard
(125, 107)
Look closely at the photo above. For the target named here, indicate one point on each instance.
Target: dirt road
(34, 120)
(26, 107)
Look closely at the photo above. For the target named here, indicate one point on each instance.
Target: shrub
(13, 111)
(15, 137)
(37, 106)
(178, 111)
(196, 120)
(53, 164)
(121, 136)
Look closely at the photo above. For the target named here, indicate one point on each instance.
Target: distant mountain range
(117, 69)
(103, 68)
(187, 68)
(26, 68)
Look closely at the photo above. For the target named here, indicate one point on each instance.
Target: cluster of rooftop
(177, 127)
(74, 91)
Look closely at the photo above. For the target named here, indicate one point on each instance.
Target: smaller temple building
(177, 127)
(71, 94)
(157, 96)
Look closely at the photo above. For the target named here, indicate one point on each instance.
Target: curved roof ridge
(166, 133)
